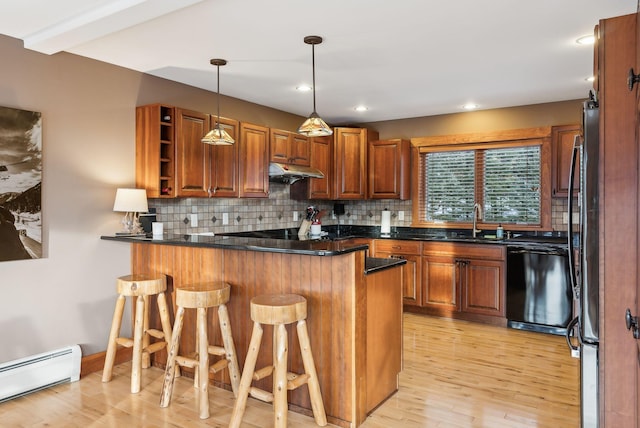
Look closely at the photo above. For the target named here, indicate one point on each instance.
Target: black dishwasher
(539, 294)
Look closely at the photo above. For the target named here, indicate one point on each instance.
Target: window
(505, 178)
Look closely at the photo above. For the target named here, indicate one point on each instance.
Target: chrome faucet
(477, 214)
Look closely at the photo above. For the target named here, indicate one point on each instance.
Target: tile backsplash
(277, 212)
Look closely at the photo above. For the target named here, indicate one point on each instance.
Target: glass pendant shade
(218, 136)
(314, 126)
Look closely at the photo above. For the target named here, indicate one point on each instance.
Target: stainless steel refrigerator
(583, 331)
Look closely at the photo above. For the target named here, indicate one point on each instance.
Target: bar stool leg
(166, 324)
(317, 405)
(146, 358)
(203, 362)
(247, 376)
(230, 349)
(280, 407)
(113, 335)
(167, 386)
(137, 345)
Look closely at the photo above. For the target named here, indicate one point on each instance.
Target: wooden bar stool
(201, 297)
(140, 287)
(279, 310)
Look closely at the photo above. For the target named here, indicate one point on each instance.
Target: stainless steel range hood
(289, 174)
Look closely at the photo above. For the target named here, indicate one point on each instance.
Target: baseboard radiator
(31, 374)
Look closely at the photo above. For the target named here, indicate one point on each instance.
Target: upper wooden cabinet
(289, 148)
(350, 162)
(204, 170)
(562, 139)
(321, 155)
(155, 150)
(254, 161)
(389, 169)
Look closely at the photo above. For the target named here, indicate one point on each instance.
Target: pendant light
(314, 126)
(218, 136)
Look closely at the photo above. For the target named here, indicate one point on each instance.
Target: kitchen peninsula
(354, 308)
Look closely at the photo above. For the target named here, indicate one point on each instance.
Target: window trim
(499, 139)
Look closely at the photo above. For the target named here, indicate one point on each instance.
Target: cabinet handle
(632, 79)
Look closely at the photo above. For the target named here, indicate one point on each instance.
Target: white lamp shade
(131, 201)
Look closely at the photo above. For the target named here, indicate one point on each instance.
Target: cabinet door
(191, 154)
(224, 164)
(440, 285)
(254, 161)
(299, 150)
(562, 138)
(483, 287)
(350, 159)
(411, 277)
(388, 166)
(279, 146)
(321, 158)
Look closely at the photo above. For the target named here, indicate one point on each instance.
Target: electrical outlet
(575, 353)
(295, 216)
(400, 215)
(194, 220)
(565, 218)
(225, 218)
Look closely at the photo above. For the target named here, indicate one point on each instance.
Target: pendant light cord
(218, 98)
(313, 67)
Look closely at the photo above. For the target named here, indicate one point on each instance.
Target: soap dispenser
(499, 232)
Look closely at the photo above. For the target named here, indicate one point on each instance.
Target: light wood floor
(456, 374)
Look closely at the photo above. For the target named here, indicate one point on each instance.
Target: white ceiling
(402, 58)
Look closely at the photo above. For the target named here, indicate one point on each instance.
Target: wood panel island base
(354, 314)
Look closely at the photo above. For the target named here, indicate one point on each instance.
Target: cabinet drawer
(471, 251)
(398, 246)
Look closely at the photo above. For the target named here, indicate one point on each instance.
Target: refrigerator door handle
(572, 266)
(571, 332)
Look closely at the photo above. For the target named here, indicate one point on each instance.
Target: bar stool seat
(202, 296)
(278, 310)
(140, 287)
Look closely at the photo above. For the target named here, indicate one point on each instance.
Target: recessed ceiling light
(303, 88)
(586, 40)
(470, 106)
(361, 108)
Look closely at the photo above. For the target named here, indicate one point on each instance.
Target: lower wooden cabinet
(461, 280)
(411, 271)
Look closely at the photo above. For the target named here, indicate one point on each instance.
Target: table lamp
(131, 202)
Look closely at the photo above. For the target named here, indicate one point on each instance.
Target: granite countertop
(373, 264)
(306, 247)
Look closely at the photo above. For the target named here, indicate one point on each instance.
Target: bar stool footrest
(295, 380)
(217, 350)
(155, 333)
(186, 362)
(262, 373)
(125, 341)
(261, 394)
(218, 365)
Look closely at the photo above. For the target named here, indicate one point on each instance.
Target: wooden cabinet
(562, 139)
(204, 170)
(389, 169)
(350, 162)
(464, 279)
(440, 285)
(224, 163)
(288, 148)
(321, 155)
(254, 161)
(411, 271)
(155, 150)
(191, 153)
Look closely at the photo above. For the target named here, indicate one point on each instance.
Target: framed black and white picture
(20, 184)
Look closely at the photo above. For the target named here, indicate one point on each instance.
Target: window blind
(505, 181)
